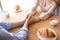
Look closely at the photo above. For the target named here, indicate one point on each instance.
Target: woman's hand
(44, 16)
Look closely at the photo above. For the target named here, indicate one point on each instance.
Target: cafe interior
(17, 11)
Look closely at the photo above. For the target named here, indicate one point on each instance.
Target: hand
(44, 16)
(29, 15)
(33, 19)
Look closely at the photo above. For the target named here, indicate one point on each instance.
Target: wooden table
(33, 28)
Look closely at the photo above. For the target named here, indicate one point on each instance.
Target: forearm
(44, 16)
(35, 7)
(16, 24)
(52, 8)
(47, 14)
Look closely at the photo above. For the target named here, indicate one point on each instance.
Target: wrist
(37, 19)
(42, 15)
(48, 14)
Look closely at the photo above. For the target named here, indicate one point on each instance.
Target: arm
(44, 15)
(9, 25)
(49, 12)
(34, 8)
(52, 8)
(16, 24)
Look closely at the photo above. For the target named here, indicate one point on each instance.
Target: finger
(27, 15)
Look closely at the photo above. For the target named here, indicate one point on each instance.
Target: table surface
(33, 28)
(14, 17)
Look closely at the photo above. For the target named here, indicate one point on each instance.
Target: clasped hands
(33, 19)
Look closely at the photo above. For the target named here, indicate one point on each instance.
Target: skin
(33, 19)
(47, 11)
(16, 24)
(58, 1)
(26, 22)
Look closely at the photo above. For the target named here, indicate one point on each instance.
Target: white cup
(54, 22)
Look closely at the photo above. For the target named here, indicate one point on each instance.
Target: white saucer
(45, 38)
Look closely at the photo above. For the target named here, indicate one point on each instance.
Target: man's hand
(29, 15)
(33, 19)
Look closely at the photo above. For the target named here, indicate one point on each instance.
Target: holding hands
(33, 19)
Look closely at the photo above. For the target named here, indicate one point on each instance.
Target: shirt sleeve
(5, 25)
(22, 34)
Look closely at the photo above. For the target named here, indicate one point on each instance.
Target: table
(33, 28)
(13, 16)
